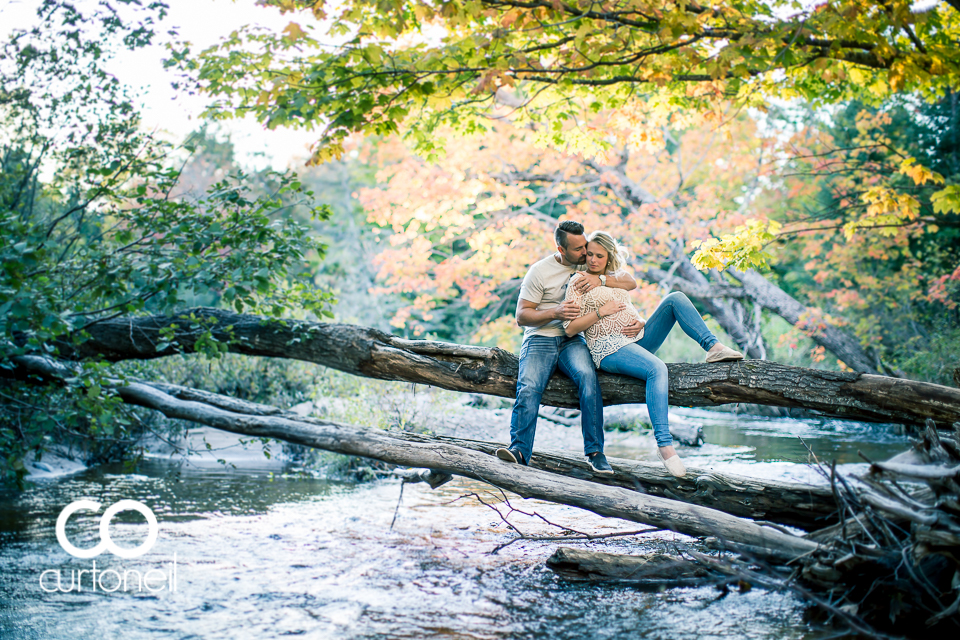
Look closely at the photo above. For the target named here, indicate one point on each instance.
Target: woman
(605, 312)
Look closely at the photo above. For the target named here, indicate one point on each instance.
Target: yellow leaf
(294, 32)
(919, 173)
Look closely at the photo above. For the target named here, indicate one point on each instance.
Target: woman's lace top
(606, 336)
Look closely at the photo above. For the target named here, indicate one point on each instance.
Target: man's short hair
(564, 228)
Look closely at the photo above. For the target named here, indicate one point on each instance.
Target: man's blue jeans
(539, 358)
(637, 359)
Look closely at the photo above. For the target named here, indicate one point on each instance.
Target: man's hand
(632, 330)
(569, 310)
(586, 283)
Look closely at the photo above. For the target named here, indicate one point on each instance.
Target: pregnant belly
(625, 317)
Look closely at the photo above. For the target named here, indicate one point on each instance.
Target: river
(267, 550)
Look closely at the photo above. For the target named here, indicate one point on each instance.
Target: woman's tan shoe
(673, 464)
(723, 354)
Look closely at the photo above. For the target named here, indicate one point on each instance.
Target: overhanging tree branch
(371, 353)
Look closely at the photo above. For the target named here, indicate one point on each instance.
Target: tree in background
(90, 228)
(424, 68)
(433, 71)
(425, 64)
(462, 232)
(892, 269)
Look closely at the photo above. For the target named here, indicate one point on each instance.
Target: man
(541, 311)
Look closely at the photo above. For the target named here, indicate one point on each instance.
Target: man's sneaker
(598, 462)
(510, 455)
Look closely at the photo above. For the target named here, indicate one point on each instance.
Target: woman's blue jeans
(637, 359)
(539, 358)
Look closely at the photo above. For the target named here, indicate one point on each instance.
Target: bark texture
(442, 457)
(368, 352)
(797, 505)
(652, 570)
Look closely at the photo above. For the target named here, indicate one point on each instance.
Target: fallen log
(651, 570)
(808, 507)
(371, 353)
(447, 458)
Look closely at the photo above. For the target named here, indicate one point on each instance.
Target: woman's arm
(582, 323)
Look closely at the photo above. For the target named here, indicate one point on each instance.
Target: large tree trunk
(371, 353)
(796, 505)
(842, 344)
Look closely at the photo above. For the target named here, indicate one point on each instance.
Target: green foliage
(91, 227)
(415, 66)
(934, 357)
(745, 248)
(947, 200)
(898, 288)
(265, 380)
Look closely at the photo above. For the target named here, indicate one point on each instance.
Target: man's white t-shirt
(546, 285)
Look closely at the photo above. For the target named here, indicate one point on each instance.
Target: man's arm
(529, 316)
(623, 281)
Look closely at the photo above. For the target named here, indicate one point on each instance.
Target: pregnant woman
(605, 312)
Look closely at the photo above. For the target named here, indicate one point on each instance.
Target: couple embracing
(577, 315)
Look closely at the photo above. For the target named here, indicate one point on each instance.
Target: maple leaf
(919, 173)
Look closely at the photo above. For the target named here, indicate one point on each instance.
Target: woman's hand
(611, 308)
(632, 330)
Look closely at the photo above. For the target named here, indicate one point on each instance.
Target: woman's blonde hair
(616, 256)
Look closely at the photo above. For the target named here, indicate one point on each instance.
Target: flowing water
(265, 551)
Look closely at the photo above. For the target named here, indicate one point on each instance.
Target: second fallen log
(373, 443)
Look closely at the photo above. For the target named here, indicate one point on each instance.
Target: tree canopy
(585, 77)
(422, 64)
